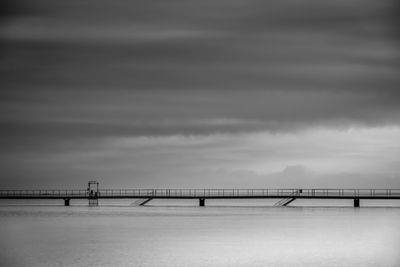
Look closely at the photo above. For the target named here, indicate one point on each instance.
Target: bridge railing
(194, 193)
(351, 193)
(148, 193)
(43, 193)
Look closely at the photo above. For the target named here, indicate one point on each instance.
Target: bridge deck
(204, 193)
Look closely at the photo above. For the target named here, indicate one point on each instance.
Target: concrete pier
(356, 203)
(202, 202)
(66, 201)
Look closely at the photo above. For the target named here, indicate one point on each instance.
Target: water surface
(174, 235)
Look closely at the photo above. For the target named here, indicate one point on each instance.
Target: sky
(200, 94)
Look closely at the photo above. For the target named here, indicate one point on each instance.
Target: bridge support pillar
(202, 201)
(356, 203)
(66, 201)
(93, 202)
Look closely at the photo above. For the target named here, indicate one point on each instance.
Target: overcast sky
(200, 93)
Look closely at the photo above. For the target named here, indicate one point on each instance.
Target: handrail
(194, 193)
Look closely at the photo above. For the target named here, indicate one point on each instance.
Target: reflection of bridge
(93, 193)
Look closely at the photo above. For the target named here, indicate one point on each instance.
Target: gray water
(177, 235)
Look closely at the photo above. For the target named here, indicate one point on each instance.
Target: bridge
(284, 196)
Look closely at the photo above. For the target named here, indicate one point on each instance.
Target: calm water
(117, 235)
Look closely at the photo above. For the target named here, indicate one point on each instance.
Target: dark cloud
(10, 9)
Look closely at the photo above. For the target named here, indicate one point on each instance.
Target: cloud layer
(75, 74)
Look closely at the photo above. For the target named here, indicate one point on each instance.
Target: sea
(180, 233)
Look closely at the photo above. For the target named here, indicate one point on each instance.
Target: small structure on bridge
(93, 192)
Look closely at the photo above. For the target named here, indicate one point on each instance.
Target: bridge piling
(202, 202)
(66, 201)
(93, 202)
(356, 203)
